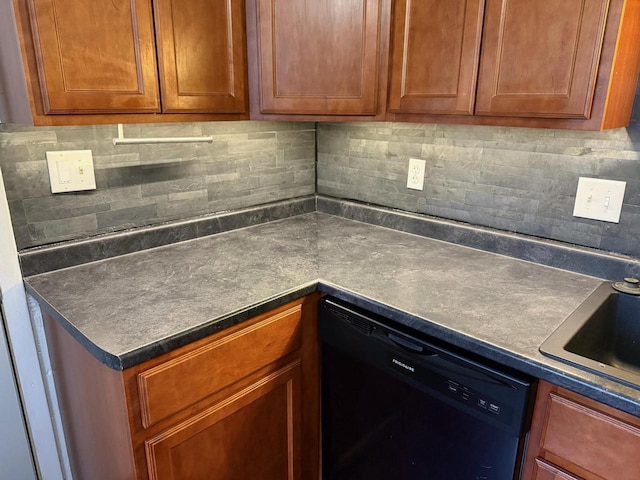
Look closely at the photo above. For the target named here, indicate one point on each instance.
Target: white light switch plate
(599, 199)
(415, 177)
(71, 171)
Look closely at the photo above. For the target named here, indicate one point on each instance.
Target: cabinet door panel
(318, 57)
(540, 59)
(95, 56)
(202, 55)
(434, 63)
(253, 434)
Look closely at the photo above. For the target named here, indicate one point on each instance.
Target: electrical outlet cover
(415, 176)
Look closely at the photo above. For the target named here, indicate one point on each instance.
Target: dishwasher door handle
(411, 346)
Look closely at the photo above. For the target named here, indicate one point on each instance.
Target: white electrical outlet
(599, 199)
(71, 171)
(415, 177)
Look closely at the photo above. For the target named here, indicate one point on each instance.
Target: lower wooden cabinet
(243, 403)
(573, 437)
(253, 434)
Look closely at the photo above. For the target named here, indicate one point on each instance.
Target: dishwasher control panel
(480, 402)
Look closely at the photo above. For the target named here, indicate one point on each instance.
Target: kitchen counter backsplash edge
(573, 258)
(569, 257)
(68, 254)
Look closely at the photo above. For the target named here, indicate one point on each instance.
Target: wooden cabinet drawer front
(545, 471)
(592, 440)
(178, 383)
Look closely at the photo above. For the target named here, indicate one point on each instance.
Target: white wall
(25, 352)
(16, 461)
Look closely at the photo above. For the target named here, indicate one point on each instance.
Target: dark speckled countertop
(130, 308)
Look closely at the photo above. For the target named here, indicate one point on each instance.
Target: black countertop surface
(133, 307)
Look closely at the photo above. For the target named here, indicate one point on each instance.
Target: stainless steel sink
(602, 335)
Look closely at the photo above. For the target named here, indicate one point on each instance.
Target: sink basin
(602, 335)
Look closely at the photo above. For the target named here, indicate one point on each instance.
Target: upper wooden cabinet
(434, 60)
(88, 58)
(570, 64)
(317, 57)
(540, 59)
(558, 64)
(95, 57)
(202, 55)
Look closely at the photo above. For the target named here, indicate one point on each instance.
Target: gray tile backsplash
(515, 179)
(248, 163)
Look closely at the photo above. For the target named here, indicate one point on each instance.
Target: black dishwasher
(399, 405)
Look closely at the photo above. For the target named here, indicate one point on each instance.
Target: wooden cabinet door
(254, 434)
(202, 55)
(318, 56)
(573, 437)
(434, 59)
(95, 56)
(540, 59)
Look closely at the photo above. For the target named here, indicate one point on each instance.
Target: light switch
(71, 171)
(599, 199)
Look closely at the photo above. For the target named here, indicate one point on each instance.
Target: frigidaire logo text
(403, 365)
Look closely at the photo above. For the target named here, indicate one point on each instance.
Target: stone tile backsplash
(249, 163)
(516, 179)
